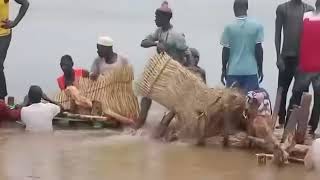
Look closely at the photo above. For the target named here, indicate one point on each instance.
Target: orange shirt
(4, 15)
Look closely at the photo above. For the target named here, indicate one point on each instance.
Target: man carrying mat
(166, 40)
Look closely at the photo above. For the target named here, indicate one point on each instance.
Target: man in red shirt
(70, 75)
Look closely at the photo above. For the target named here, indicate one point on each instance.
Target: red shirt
(310, 39)
(78, 73)
(8, 114)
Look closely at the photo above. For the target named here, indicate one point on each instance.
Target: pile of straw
(166, 81)
(113, 90)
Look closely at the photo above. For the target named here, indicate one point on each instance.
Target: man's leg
(302, 82)
(284, 81)
(315, 115)
(145, 106)
(4, 46)
(251, 83)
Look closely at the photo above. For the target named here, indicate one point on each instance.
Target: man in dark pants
(165, 39)
(5, 36)
(289, 20)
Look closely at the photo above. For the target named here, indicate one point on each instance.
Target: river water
(86, 155)
(53, 28)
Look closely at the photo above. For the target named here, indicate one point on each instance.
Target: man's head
(163, 15)
(240, 7)
(66, 64)
(105, 47)
(195, 56)
(35, 94)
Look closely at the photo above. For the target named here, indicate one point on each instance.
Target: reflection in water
(86, 155)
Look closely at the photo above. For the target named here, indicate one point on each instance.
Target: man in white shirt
(38, 116)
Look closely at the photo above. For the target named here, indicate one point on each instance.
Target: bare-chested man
(289, 20)
(166, 39)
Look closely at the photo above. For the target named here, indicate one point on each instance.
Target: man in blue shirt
(242, 55)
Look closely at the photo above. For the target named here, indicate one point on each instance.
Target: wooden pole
(277, 106)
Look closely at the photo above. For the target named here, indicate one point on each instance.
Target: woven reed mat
(167, 82)
(113, 90)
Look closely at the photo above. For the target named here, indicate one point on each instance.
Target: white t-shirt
(38, 117)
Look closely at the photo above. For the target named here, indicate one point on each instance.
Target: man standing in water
(309, 71)
(242, 54)
(289, 19)
(166, 40)
(5, 36)
(38, 116)
(107, 59)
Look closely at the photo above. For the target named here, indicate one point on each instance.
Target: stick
(116, 116)
(270, 156)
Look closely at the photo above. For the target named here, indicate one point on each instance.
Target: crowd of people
(242, 59)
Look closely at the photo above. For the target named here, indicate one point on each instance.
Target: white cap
(105, 41)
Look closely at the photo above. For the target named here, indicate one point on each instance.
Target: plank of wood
(303, 118)
(291, 159)
(277, 106)
(292, 122)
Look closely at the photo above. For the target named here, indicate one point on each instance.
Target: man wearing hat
(107, 59)
(166, 40)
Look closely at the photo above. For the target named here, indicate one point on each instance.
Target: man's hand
(160, 47)
(223, 77)
(261, 76)
(94, 76)
(7, 24)
(85, 74)
(280, 64)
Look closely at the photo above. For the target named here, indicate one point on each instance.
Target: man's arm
(23, 9)
(46, 98)
(259, 59)
(225, 58)
(150, 40)
(278, 30)
(225, 42)
(94, 71)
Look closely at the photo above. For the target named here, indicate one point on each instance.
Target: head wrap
(105, 41)
(164, 10)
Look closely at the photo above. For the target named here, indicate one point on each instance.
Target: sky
(52, 29)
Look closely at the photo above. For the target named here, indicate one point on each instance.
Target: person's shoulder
(308, 7)
(282, 7)
(123, 58)
(254, 22)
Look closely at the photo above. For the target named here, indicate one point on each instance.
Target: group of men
(242, 54)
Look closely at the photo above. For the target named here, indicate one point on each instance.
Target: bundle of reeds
(166, 81)
(113, 90)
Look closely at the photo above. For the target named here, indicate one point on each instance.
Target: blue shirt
(241, 37)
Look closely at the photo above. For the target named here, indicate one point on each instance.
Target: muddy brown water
(103, 154)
